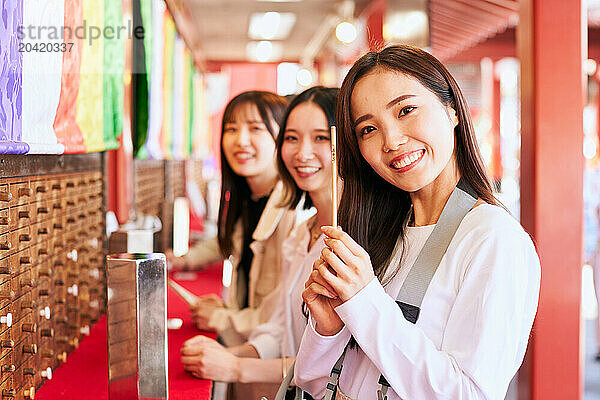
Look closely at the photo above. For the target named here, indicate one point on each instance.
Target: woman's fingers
(342, 251)
(335, 282)
(338, 233)
(338, 267)
(317, 278)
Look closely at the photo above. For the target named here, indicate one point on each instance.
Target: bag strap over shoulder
(413, 290)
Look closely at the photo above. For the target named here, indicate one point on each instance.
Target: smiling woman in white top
(304, 163)
(406, 147)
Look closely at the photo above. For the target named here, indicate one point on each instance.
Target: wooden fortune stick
(334, 175)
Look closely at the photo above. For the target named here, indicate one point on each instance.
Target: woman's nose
(392, 140)
(305, 151)
(243, 137)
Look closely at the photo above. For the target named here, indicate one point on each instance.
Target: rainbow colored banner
(114, 67)
(166, 135)
(155, 52)
(66, 128)
(11, 79)
(42, 75)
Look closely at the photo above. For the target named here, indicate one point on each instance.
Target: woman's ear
(452, 115)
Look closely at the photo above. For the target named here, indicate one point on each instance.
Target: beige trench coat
(234, 324)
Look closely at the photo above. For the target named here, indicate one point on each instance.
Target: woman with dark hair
(251, 223)
(429, 288)
(304, 164)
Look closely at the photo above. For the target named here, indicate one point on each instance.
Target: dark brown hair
(325, 99)
(235, 191)
(368, 202)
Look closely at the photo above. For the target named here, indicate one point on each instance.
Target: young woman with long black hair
(251, 222)
(304, 164)
(409, 160)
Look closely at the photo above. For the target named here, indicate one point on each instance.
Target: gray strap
(285, 384)
(413, 290)
(415, 286)
(334, 377)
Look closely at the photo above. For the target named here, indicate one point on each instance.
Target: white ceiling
(219, 28)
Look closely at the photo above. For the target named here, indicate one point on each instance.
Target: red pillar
(551, 188)
(497, 170)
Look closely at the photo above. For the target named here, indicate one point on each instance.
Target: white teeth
(406, 160)
(244, 156)
(307, 170)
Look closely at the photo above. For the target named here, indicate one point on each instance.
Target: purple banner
(11, 78)
(7, 147)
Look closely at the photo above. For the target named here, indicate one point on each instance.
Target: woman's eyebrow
(399, 99)
(361, 119)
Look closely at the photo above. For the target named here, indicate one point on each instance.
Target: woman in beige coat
(251, 224)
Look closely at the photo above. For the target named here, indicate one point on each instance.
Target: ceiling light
(304, 77)
(271, 25)
(345, 32)
(404, 25)
(263, 51)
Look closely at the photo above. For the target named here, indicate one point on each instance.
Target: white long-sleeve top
(473, 328)
(281, 335)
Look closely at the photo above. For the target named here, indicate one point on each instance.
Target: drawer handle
(27, 192)
(42, 189)
(30, 348)
(5, 196)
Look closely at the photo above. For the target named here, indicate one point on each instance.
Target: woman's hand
(321, 300)
(203, 309)
(205, 358)
(173, 262)
(349, 264)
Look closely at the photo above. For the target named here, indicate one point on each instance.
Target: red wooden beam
(460, 19)
(510, 4)
(487, 8)
(469, 12)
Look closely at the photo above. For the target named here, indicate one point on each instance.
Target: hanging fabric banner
(42, 71)
(90, 99)
(156, 53)
(166, 137)
(201, 129)
(11, 75)
(65, 123)
(189, 109)
(114, 66)
(179, 99)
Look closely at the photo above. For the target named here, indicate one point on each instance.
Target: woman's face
(247, 143)
(404, 132)
(306, 149)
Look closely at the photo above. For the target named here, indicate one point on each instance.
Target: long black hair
(368, 202)
(325, 99)
(234, 188)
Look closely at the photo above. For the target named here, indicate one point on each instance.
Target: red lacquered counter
(85, 374)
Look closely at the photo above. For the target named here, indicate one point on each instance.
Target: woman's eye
(289, 139)
(229, 130)
(406, 110)
(321, 138)
(256, 128)
(366, 130)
